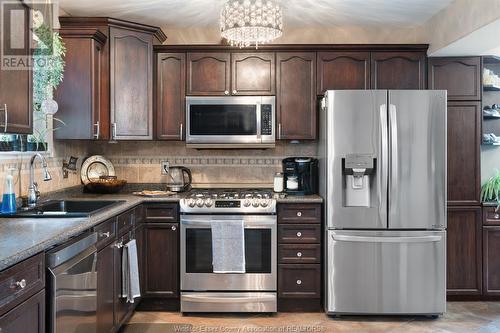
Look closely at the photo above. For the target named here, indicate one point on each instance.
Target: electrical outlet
(165, 165)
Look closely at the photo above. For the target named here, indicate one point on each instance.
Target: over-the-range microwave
(230, 122)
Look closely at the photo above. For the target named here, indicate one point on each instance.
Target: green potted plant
(5, 142)
(491, 189)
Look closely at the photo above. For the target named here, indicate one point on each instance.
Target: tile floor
(480, 317)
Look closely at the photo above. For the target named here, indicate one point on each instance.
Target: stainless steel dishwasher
(72, 280)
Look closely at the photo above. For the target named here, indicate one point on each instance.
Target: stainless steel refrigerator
(383, 177)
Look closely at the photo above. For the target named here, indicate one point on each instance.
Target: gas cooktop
(229, 201)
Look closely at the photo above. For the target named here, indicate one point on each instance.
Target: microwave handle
(259, 120)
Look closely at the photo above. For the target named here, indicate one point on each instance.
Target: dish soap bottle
(9, 196)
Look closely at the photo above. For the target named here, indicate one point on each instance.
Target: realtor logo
(26, 33)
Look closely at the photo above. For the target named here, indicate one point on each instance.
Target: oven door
(229, 120)
(260, 254)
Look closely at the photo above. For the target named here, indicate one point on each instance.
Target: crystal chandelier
(247, 22)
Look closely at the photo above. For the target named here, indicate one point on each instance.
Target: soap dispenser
(9, 196)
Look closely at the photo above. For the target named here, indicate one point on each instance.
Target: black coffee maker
(300, 175)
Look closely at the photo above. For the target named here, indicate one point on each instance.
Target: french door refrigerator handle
(394, 173)
(382, 176)
(375, 239)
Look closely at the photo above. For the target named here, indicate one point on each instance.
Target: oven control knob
(247, 203)
(264, 202)
(209, 202)
(199, 202)
(191, 203)
(255, 202)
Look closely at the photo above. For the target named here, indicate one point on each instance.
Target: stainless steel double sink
(66, 208)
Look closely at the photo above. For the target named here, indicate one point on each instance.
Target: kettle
(177, 181)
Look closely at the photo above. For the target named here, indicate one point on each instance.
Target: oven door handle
(207, 223)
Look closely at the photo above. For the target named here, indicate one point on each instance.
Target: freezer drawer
(386, 272)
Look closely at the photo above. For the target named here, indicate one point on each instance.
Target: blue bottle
(9, 196)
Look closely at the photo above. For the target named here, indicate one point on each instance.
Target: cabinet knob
(226, 92)
(299, 282)
(174, 228)
(299, 234)
(299, 254)
(21, 284)
(104, 234)
(235, 92)
(497, 216)
(299, 214)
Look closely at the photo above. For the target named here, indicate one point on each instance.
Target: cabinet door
(253, 74)
(131, 84)
(343, 70)
(162, 260)
(78, 95)
(105, 291)
(491, 260)
(464, 139)
(139, 238)
(464, 251)
(398, 70)
(208, 73)
(121, 307)
(460, 76)
(296, 96)
(16, 84)
(171, 91)
(28, 317)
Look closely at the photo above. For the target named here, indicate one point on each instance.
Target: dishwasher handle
(61, 256)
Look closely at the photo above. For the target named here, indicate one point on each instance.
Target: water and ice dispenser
(358, 169)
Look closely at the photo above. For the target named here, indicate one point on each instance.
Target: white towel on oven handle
(228, 246)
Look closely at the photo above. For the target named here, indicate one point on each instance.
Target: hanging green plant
(491, 189)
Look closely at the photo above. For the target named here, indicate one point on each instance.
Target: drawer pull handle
(299, 214)
(497, 216)
(299, 234)
(299, 254)
(174, 228)
(21, 284)
(104, 234)
(299, 282)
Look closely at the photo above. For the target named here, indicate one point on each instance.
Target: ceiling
(298, 13)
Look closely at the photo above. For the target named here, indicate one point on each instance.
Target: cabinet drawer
(491, 216)
(299, 253)
(299, 213)
(106, 232)
(161, 213)
(139, 215)
(299, 233)
(299, 281)
(21, 281)
(124, 222)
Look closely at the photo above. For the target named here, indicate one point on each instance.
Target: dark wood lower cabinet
(105, 291)
(464, 257)
(28, 317)
(491, 260)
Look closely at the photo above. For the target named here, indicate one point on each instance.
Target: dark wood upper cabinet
(131, 84)
(464, 268)
(16, 114)
(79, 93)
(208, 73)
(398, 70)
(125, 91)
(253, 74)
(161, 241)
(296, 95)
(343, 70)
(170, 96)
(464, 153)
(460, 76)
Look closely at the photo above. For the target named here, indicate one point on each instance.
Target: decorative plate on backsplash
(95, 167)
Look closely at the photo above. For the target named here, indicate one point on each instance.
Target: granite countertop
(21, 238)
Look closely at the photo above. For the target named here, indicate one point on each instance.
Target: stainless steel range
(203, 290)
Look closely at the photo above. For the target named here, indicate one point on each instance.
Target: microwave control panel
(266, 119)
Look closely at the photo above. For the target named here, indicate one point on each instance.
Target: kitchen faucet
(33, 193)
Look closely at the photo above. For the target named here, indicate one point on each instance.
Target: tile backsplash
(139, 162)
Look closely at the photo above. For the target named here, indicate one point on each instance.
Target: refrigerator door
(354, 123)
(386, 272)
(417, 168)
